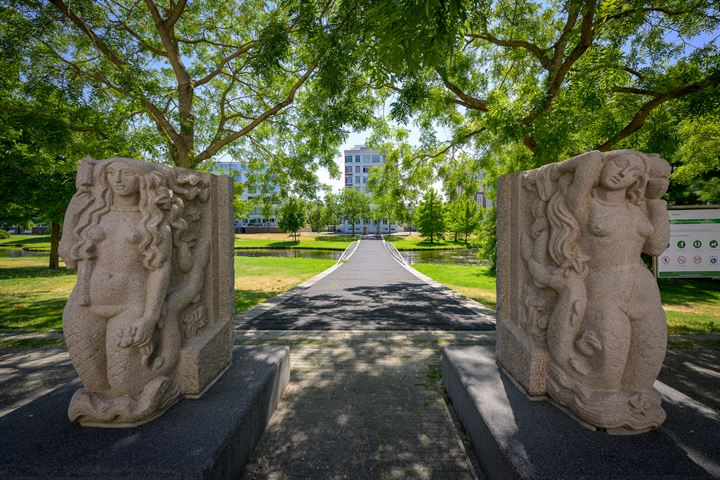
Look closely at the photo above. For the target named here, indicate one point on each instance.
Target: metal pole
(655, 267)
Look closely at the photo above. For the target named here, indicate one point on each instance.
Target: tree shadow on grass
(246, 299)
(40, 315)
(681, 291)
(33, 272)
(26, 241)
(284, 244)
(335, 238)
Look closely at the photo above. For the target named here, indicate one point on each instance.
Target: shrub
(4, 234)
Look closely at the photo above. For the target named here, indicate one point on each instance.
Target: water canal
(446, 257)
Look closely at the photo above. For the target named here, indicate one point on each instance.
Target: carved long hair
(161, 209)
(564, 231)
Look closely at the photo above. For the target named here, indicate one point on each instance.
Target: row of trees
(460, 217)
(350, 205)
(512, 84)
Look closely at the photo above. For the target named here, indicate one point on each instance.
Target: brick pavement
(362, 405)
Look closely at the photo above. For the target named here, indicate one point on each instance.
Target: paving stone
(385, 421)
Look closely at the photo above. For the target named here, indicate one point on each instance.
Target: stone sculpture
(579, 314)
(150, 318)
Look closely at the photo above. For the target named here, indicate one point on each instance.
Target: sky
(358, 138)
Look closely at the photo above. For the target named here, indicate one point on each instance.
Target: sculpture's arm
(156, 290)
(658, 215)
(585, 169)
(78, 204)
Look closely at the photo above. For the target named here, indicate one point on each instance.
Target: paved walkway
(362, 405)
(372, 291)
(365, 399)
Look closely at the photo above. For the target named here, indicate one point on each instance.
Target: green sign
(681, 244)
(697, 244)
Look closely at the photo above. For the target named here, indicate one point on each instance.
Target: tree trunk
(54, 245)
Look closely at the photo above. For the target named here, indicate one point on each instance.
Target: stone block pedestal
(518, 438)
(211, 437)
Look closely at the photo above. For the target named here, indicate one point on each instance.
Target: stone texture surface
(362, 405)
(152, 246)
(515, 437)
(207, 438)
(579, 315)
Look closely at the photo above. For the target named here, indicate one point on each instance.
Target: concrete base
(207, 438)
(518, 438)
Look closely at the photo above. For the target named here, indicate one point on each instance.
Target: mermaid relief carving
(590, 302)
(141, 266)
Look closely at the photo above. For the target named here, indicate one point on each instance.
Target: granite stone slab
(515, 437)
(207, 438)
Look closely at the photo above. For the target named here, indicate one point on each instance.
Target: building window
(357, 158)
(348, 159)
(364, 179)
(366, 169)
(357, 168)
(357, 179)
(348, 180)
(348, 169)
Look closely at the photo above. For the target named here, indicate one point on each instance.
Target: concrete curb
(468, 303)
(273, 302)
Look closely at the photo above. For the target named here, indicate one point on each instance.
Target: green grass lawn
(691, 305)
(416, 242)
(259, 278)
(28, 242)
(33, 297)
(473, 282)
(282, 240)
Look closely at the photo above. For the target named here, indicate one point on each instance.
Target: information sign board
(694, 249)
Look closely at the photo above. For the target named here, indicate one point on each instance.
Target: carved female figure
(123, 234)
(607, 332)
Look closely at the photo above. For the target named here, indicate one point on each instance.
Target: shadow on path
(370, 292)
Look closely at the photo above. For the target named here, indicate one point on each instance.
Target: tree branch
(451, 144)
(143, 43)
(636, 91)
(638, 120)
(556, 79)
(97, 41)
(240, 51)
(468, 100)
(175, 14)
(536, 51)
(217, 146)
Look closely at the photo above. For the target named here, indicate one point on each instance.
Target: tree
(332, 209)
(44, 130)
(292, 217)
(317, 216)
(521, 83)
(253, 78)
(354, 206)
(430, 216)
(461, 216)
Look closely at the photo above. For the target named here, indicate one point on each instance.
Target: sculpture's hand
(139, 334)
(144, 330)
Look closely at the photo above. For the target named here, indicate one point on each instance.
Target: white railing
(394, 252)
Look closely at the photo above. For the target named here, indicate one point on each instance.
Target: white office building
(358, 163)
(240, 171)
